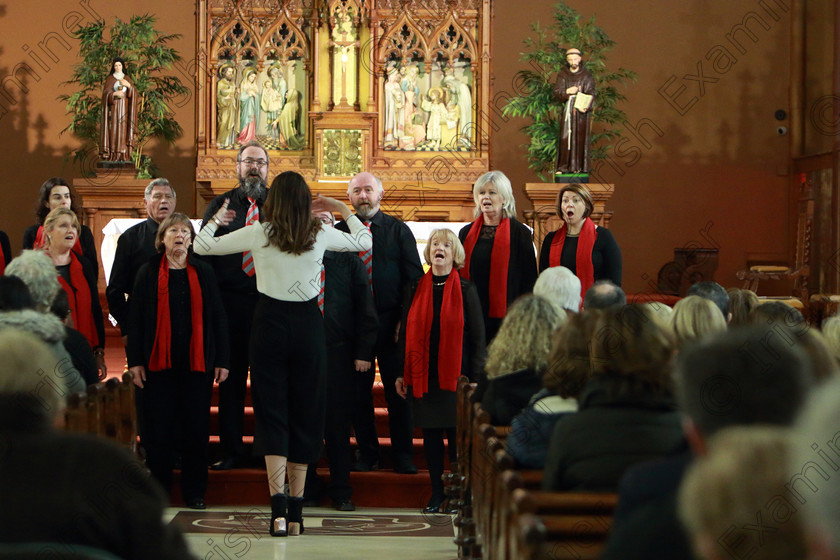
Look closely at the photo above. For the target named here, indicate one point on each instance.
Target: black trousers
(177, 406)
(288, 371)
(399, 413)
(433, 448)
(240, 314)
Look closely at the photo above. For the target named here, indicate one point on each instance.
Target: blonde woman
(518, 356)
(695, 317)
(443, 335)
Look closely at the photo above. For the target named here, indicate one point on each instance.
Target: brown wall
(719, 168)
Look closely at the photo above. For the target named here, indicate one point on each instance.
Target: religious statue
(248, 106)
(271, 102)
(461, 99)
(226, 107)
(411, 91)
(394, 103)
(119, 115)
(437, 114)
(576, 88)
(288, 119)
(344, 42)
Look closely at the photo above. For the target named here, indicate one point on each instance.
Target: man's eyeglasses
(250, 162)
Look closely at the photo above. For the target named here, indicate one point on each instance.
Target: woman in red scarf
(587, 250)
(443, 334)
(56, 193)
(500, 257)
(78, 277)
(177, 347)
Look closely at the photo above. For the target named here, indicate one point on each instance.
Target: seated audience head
(24, 393)
(629, 347)
(524, 339)
(499, 182)
(741, 304)
(160, 199)
(602, 295)
(37, 271)
(823, 364)
(696, 317)
(61, 306)
(780, 313)
(14, 295)
(560, 286)
(446, 235)
(661, 312)
(747, 375)
(815, 487)
(54, 193)
(831, 331)
(746, 470)
(714, 292)
(569, 366)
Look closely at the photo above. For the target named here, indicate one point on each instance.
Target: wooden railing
(107, 410)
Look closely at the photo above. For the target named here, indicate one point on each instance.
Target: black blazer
(142, 324)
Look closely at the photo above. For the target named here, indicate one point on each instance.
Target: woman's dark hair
(288, 211)
(43, 207)
(114, 61)
(569, 364)
(61, 305)
(14, 295)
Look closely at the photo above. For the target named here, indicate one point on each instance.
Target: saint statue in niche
(461, 101)
(394, 103)
(119, 115)
(249, 104)
(226, 107)
(576, 88)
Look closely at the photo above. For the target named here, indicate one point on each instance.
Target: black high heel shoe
(295, 516)
(434, 505)
(277, 526)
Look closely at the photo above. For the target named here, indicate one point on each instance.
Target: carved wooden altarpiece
(399, 88)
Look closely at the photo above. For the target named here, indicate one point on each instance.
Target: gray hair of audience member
(159, 182)
(779, 312)
(815, 486)
(560, 286)
(746, 468)
(696, 317)
(714, 292)
(747, 375)
(603, 294)
(831, 333)
(28, 382)
(502, 184)
(38, 273)
(741, 304)
(524, 339)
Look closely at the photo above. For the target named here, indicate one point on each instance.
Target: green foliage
(147, 56)
(546, 56)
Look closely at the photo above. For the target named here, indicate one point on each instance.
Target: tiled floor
(234, 533)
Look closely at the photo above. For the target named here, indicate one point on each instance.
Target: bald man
(395, 263)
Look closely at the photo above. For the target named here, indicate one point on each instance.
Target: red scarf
(78, 295)
(583, 258)
(499, 261)
(161, 351)
(417, 331)
(41, 238)
(2, 261)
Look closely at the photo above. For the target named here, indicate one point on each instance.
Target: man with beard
(573, 149)
(238, 286)
(393, 264)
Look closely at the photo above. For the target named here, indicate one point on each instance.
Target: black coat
(507, 395)
(142, 325)
(591, 449)
(134, 249)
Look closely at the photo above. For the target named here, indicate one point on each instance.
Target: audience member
(566, 375)
(713, 292)
(518, 356)
(75, 342)
(663, 314)
(739, 483)
(98, 496)
(781, 314)
(812, 483)
(831, 332)
(696, 317)
(740, 377)
(560, 286)
(626, 412)
(603, 294)
(741, 304)
(38, 273)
